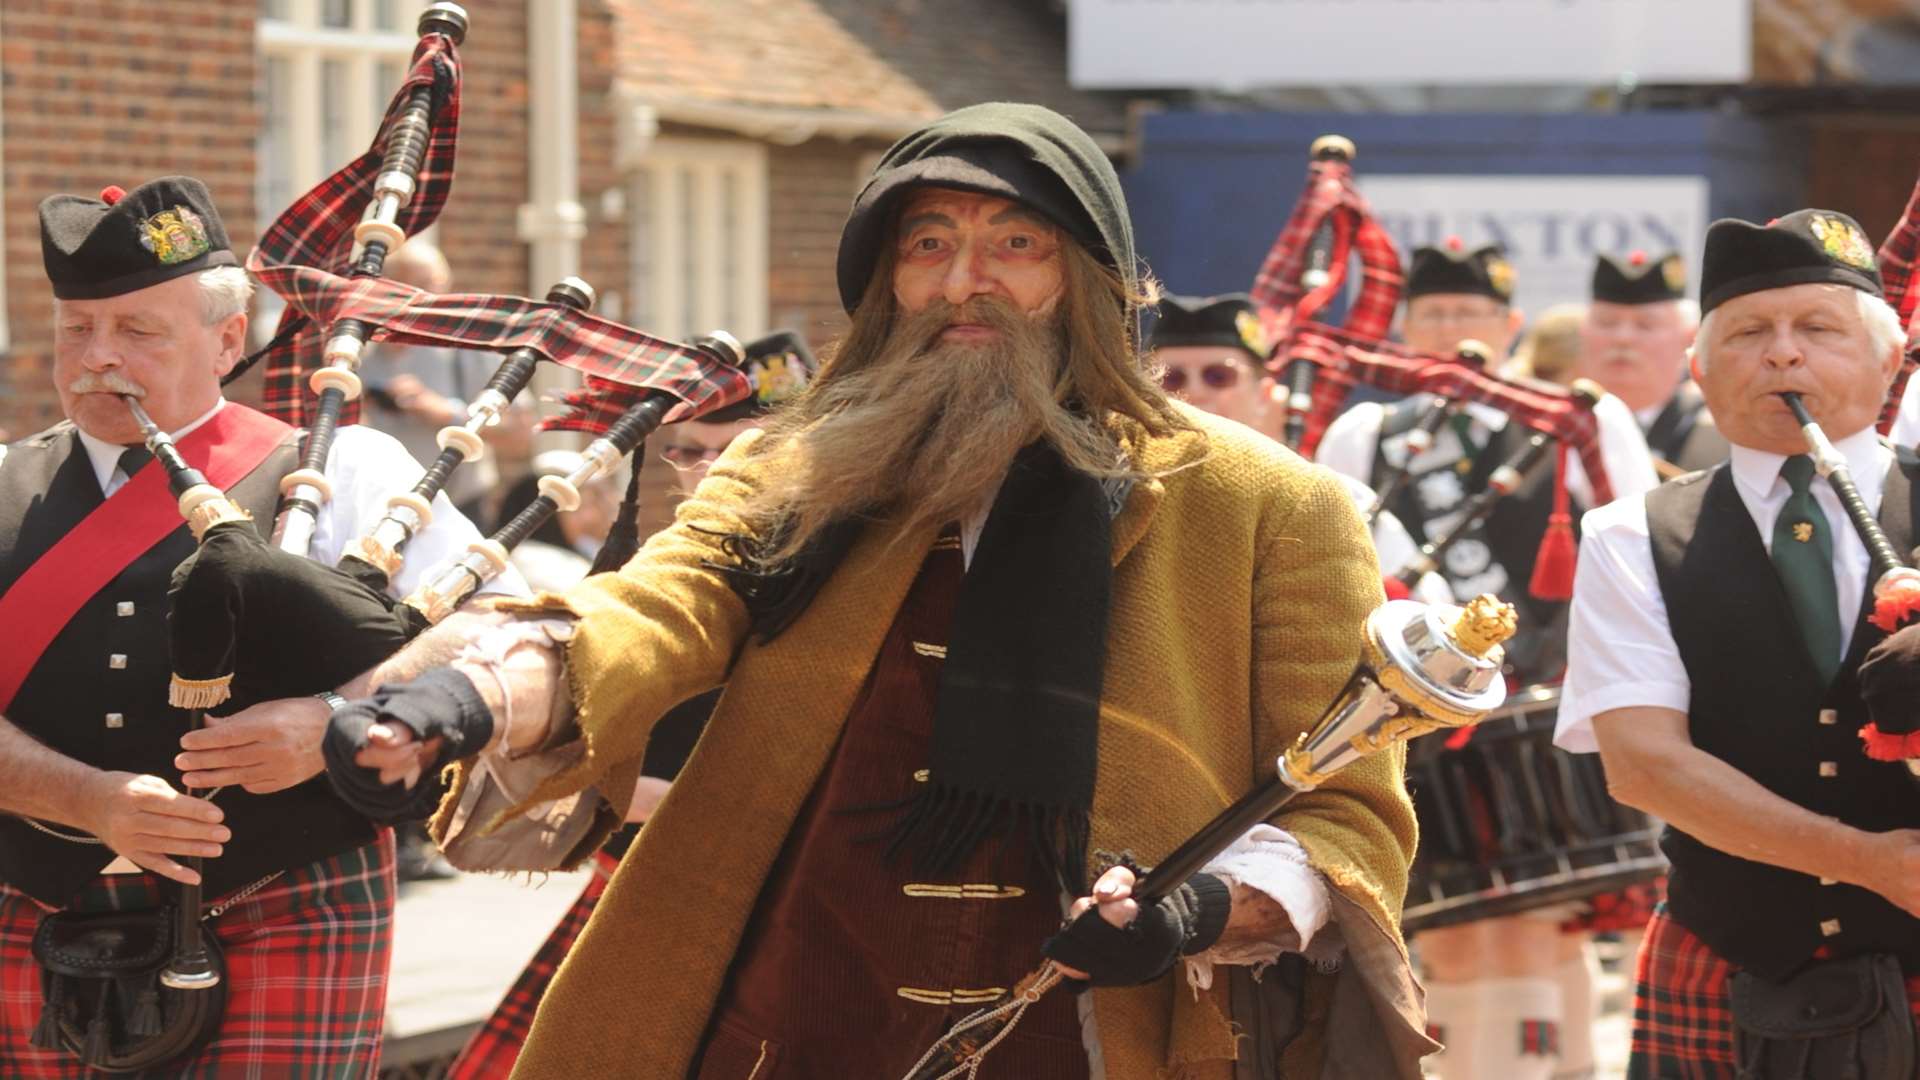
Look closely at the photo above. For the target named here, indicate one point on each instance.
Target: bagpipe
(406, 139)
(1307, 268)
(1422, 668)
(1893, 733)
(254, 621)
(1319, 365)
(1896, 260)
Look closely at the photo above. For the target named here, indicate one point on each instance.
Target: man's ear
(1891, 367)
(232, 333)
(1693, 361)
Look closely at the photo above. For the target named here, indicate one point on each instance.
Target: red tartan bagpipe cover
(306, 254)
(1396, 369)
(1897, 258)
(1288, 307)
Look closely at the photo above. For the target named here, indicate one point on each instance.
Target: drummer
(1499, 989)
(1212, 351)
(1716, 636)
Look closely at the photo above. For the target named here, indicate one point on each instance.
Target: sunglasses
(1217, 376)
(686, 457)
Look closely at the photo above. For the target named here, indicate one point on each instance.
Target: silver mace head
(1424, 667)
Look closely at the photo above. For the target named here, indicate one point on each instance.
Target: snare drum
(1509, 823)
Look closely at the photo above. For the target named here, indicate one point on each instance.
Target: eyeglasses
(686, 457)
(1218, 376)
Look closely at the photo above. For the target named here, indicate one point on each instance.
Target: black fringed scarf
(1017, 710)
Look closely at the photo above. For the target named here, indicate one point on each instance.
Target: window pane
(274, 171)
(386, 15)
(336, 13)
(689, 262)
(273, 9)
(729, 253)
(386, 83)
(645, 312)
(334, 148)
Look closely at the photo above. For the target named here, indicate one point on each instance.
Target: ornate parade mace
(1422, 668)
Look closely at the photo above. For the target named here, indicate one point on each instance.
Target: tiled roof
(894, 62)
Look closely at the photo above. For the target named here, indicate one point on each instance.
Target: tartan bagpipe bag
(104, 1001)
(1896, 258)
(1305, 270)
(1835, 1018)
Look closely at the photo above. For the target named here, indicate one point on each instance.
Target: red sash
(122, 528)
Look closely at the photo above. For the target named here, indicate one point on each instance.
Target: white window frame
(660, 239)
(303, 44)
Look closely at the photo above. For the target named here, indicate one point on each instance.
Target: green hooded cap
(1027, 153)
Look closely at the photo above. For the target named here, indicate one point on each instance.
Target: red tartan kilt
(492, 1050)
(1682, 1027)
(307, 960)
(1630, 908)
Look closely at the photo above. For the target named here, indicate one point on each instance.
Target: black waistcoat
(1757, 704)
(78, 702)
(1511, 533)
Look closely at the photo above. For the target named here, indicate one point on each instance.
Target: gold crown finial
(1336, 147)
(1485, 623)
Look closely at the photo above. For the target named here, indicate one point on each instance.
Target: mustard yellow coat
(1242, 578)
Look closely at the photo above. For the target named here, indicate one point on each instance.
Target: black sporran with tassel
(105, 1005)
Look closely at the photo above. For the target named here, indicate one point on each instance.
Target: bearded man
(985, 603)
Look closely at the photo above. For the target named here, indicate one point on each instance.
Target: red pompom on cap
(1638, 258)
(1454, 243)
(112, 193)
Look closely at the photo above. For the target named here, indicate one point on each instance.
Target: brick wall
(809, 188)
(1864, 166)
(604, 258)
(478, 228)
(112, 91)
(99, 91)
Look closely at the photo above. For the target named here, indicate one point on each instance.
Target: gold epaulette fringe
(199, 693)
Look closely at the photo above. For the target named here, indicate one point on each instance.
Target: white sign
(1242, 44)
(1553, 227)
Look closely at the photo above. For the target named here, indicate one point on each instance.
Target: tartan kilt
(492, 1050)
(1682, 1023)
(306, 956)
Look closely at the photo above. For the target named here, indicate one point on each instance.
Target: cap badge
(1843, 242)
(174, 236)
(1500, 275)
(778, 378)
(1252, 334)
(1674, 272)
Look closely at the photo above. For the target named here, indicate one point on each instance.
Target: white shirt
(1906, 423)
(366, 468)
(1394, 545)
(1620, 648)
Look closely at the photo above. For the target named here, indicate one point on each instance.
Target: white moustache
(105, 384)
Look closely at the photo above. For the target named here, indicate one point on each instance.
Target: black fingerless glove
(1185, 923)
(441, 703)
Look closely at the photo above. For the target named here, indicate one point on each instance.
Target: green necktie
(1803, 557)
(1462, 425)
